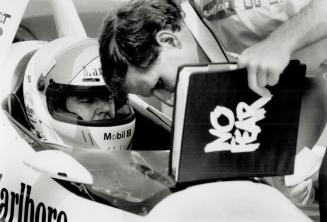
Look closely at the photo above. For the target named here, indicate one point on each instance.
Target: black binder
(247, 135)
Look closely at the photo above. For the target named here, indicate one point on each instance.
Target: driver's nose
(108, 108)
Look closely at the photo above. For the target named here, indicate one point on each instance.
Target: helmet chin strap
(202, 34)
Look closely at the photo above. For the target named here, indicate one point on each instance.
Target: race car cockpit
(131, 180)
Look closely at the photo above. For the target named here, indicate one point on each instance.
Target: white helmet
(65, 67)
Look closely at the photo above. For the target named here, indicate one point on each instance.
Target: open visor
(56, 95)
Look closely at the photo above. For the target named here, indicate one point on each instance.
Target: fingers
(273, 76)
(262, 77)
(265, 62)
(257, 78)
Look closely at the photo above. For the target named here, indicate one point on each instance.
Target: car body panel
(226, 201)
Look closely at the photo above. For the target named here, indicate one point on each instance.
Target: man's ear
(167, 39)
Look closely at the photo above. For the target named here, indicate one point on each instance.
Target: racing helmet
(71, 67)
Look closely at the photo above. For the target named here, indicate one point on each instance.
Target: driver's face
(91, 108)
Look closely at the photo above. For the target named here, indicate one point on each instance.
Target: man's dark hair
(128, 38)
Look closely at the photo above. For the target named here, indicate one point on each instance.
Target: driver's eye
(109, 99)
(86, 100)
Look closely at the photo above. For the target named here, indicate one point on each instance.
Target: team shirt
(239, 24)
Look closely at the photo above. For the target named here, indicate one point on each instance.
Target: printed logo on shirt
(245, 128)
(257, 3)
(248, 4)
(273, 2)
(218, 9)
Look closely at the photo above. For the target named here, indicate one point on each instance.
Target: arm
(266, 60)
